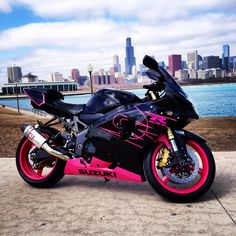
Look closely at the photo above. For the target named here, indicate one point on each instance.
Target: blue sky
(17, 17)
(57, 35)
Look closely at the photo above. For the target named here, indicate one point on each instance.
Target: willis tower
(130, 59)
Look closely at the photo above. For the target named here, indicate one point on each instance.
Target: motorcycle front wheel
(182, 183)
(46, 174)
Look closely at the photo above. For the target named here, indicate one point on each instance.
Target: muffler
(40, 142)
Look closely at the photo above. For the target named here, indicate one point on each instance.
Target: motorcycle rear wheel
(41, 177)
(175, 190)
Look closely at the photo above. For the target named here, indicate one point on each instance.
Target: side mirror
(151, 63)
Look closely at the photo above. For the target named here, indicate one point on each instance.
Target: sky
(43, 36)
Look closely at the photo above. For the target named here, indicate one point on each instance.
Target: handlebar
(155, 87)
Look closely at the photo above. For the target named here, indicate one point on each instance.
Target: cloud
(5, 6)
(148, 10)
(63, 34)
(93, 31)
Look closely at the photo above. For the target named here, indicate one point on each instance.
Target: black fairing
(175, 99)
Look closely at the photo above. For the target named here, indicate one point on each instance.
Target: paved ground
(88, 206)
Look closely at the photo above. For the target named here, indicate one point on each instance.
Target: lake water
(209, 100)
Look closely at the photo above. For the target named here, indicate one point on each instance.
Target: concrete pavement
(90, 206)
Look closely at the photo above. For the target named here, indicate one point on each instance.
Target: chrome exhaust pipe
(40, 142)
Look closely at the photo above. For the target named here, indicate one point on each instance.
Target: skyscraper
(14, 74)
(174, 63)
(130, 59)
(75, 75)
(211, 62)
(116, 64)
(192, 60)
(57, 77)
(225, 57)
(232, 62)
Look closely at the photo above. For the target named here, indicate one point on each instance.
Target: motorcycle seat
(68, 107)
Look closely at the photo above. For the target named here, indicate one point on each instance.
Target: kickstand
(106, 179)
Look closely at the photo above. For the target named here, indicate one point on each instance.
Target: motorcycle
(119, 136)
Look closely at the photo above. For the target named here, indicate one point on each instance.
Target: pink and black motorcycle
(119, 136)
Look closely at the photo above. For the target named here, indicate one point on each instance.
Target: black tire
(190, 194)
(29, 175)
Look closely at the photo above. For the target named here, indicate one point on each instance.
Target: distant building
(203, 74)
(143, 80)
(232, 61)
(174, 63)
(193, 64)
(102, 77)
(75, 75)
(116, 64)
(184, 65)
(57, 86)
(57, 77)
(192, 60)
(112, 70)
(142, 69)
(200, 62)
(29, 78)
(218, 73)
(181, 74)
(130, 59)
(14, 74)
(225, 57)
(134, 71)
(162, 64)
(83, 79)
(130, 80)
(211, 73)
(119, 78)
(211, 62)
(192, 74)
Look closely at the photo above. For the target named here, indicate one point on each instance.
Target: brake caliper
(163, 158)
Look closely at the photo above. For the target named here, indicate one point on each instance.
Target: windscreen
(169, 81)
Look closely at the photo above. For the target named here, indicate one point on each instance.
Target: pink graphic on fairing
(39, 104)
(144, 129)
(99, 169)
(158, 119)
(111, 132)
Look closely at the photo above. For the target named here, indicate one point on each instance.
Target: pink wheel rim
(203, 174)
(25, 165)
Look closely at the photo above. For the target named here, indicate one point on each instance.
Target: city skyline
(60, 35)
(175, 63)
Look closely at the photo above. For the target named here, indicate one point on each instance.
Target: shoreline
(25, 112)
(86, 90)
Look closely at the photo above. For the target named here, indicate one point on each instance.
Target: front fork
(179, 150)
(171, 138)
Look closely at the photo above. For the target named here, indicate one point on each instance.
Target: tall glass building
(116, 64)
(130, 59)
(14, 74)
(225, 57)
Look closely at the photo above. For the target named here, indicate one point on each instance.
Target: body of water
(209, 100)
